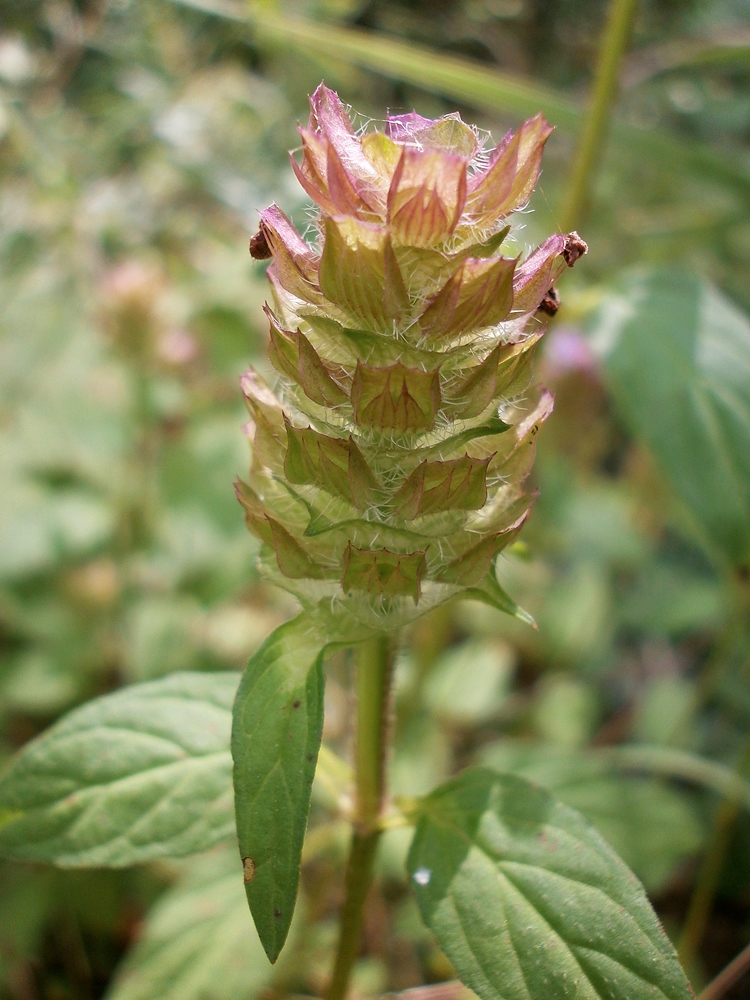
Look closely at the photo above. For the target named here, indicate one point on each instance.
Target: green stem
(709, 873)
(374, 670)
(611, 51)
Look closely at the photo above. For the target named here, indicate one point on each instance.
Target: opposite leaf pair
(523, 895)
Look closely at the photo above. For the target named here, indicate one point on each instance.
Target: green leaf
(198, 942)
(621, 806)
(143, 773)
(277, 725)
(468, 684)
(677, 354)
(490, 592)
(453, 444)
(529, 903)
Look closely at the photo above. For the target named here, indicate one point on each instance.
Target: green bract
(389, 458)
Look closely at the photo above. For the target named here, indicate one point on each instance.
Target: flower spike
(389, 458)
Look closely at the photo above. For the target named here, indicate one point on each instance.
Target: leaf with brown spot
(275, 751)
(197, 941)
(259, 247)
(537, 273)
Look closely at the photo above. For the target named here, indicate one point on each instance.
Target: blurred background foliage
(138, 138)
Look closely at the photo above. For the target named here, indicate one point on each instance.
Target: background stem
(709, 873)
(374, 671)
(617, 32)
(726, 979)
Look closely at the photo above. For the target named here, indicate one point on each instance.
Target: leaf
(505, 371)
(512, 175)
(39, 527)
(143, 773)
(529, 903)
(490, 592)
(198, 942)
(493, 426)
(294, 263)
(293, 561)
(621, 806)
(473, 568)
(467, 684)
(487, 247)
(677, 355)
(277, 725)
(426, 196)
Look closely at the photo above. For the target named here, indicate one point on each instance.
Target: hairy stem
(374, 670)
(611, 51)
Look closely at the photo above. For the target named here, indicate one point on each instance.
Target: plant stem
(709, 873)
(728, 977)
(144, 459)
(374, 671)
(611, 51)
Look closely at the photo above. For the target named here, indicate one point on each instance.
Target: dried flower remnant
(551, 302)
(259, 248)
(389, 458)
